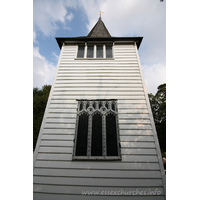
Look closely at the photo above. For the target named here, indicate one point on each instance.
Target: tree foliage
(158, 106)
(40, 97)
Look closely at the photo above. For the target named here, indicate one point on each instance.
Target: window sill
(100, 158)
(94, 59)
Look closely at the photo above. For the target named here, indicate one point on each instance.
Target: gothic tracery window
(97, 132)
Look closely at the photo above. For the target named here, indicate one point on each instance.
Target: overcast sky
(123, 18)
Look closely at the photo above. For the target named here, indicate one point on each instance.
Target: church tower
(98, 138)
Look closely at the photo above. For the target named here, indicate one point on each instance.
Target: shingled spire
(99, 30)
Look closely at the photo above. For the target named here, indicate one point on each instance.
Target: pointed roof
(99, 30)
(98, 33)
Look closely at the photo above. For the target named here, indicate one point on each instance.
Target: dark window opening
(82, 134)
(111, 135)
(90, 51)
(109, 51)
(96, 149)
(81, 49)
(99, 51)
(97, 134)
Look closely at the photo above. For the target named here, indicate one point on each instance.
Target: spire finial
(100, 14)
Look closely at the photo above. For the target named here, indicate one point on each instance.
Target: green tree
(40, 97)
(158, 106)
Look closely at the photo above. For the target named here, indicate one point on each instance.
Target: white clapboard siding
(102, 70)
(124, 151)
(98, 165)
(95, 173)
(50, 196)
(125, 158)
(56, 176)
(79, 189)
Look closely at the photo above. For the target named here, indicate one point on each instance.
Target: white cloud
(34, 37)
(154, 75)
(43, 71)
(47, 13)
(56, 57)
(70, 16)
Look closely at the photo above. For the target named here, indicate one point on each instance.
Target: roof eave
(60, 40)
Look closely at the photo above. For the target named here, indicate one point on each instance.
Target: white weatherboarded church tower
(98, 139)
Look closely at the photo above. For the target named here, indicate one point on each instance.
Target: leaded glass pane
(99, 51)
(80, 51)
(82, 134)
(96, 149)
(111, 135)
(90, 51)
(109, 51)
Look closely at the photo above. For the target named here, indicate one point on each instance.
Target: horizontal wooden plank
(131, 106)
(62, 115)
(132, 111)
(98, 165)
(99, 73)
(70, 102)
(58, 131)
(58, 137)
(87, 75)
(78, 190)
(126, 55)
(120, 102)
(125, 158)
(99, 78)
(69, 126)
(124, 101)
(69, 53)
(139, 158)
(120, 111)
(103, 61)
(133, 116)
(144, 138)
(138, 126)
(65, 106)
(43, 196)
(97, 70)
(98, 66)
(124, 151)
(138, 144)
(106, 96)
(98, 182)
(131, 59)
(134, 121)
(49, 143)
(99, 85)
(138, 151)
(54, 110)
(100, 92)
(61, 120)
(99, 89)
(47, 156)
(62, 110)
(67, 59)
(96, 173)
(136, 132)
(97, 81)
(123, 138)
(56, 150)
